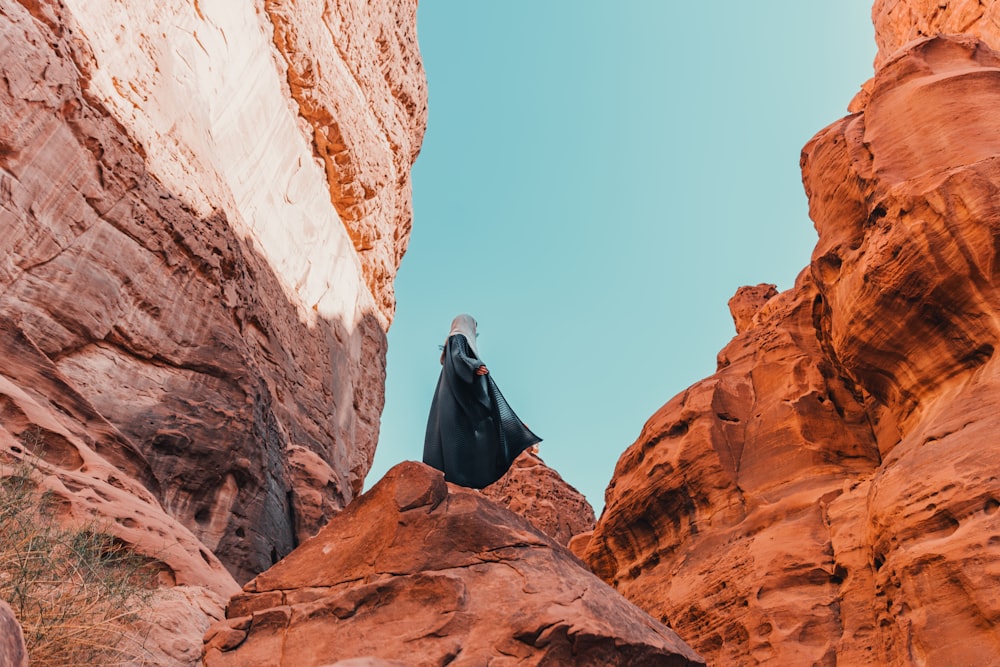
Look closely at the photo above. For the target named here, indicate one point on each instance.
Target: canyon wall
(831, 494)
(203, 205)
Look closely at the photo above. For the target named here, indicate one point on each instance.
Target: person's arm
(466, 365)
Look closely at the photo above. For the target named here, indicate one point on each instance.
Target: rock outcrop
(12, 651)
(898, 22)
(174, 249)
(203, 206)
(538, 493)
(418, 570)
(830, 495)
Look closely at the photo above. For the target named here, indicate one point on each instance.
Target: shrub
(75, 591)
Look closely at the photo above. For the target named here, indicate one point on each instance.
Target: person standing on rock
(472, 434)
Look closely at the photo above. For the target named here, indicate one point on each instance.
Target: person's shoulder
(462, 342)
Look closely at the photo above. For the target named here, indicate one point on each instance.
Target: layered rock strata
(178, 248)
(194, 284)
(417, 570)
(898, 22)
(830, 495)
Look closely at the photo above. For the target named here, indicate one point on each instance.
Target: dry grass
(75, 591)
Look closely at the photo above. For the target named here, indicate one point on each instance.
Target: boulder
(425, 572)
(538, 493)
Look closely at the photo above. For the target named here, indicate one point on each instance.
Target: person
(473, 435)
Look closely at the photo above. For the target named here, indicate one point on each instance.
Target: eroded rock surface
(898, 22)
(194, 288)
(175, 250)
(538, 493)
(831, 494)
(429, 573)
(747, 301)
(12, 651)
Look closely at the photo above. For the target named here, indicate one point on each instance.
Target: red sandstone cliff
(202, 210)
(830, 495)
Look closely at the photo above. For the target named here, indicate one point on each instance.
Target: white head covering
(465, 325)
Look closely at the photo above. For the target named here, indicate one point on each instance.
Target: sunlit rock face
(716, 521)
(911, 301)
(898, 22)
(831, 494)
(202, 207)
(428, 573)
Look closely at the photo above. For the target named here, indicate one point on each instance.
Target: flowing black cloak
(472, 434)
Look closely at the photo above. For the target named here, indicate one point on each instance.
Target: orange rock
(701, 512)
(214, 316)
(416, 570)
(911, 303)
(898, 22)
(747, 301)
(830, 494)
(376, 79)
(538, 493)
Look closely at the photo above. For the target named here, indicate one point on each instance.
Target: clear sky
(596, 180)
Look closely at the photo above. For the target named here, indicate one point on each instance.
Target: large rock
(178, 252)
(907, 265)
(830, 495)
(715, 521)
(12, 650)
(194, 288)
(428, 573)
(898, 22)
(538, 493)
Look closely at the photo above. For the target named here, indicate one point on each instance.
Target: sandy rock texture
(428, 573)
(831, 494)
(715, 521)
(176, 249)
(538, 493)
(898, 22)
(12, 651)
(194, 287)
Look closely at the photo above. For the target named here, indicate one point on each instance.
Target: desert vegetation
(77, 591)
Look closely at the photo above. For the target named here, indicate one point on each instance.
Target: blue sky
(596, 181)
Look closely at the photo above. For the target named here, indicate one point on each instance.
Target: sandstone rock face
(830, 495)
(191, 267)
(428, 573)
(96, 477)
(747, 302)
(355, 72)
(12, 651)
(538, 493)
(911, 314)
(202, 207)
(898, 22)
(701, 509)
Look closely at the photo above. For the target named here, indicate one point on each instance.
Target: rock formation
(12, 652)
(538, 493)
(203, 207)
(830, 495)
(898, 22)
(418, 570)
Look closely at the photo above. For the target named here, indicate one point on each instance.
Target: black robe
(472, 434)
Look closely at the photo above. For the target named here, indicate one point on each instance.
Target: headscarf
(465, 325)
